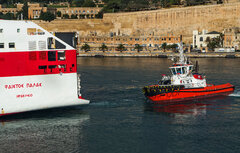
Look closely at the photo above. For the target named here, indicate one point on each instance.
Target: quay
(157, 54)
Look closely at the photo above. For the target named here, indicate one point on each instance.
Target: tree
(25, 11)
(65, 16)
(8, 16)
(103, 47)
(121, 47)
(138, 47)
(164, 46)
(59, 14)
(47, 16)
(213, 43)
(85, 47)
(88, 3)
(174, 47)
(74, 16)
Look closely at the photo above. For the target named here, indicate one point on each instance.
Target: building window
(12, 45)
(1, 45)
(79, 11)
(201, 38)
(18, 30)
(1, 30)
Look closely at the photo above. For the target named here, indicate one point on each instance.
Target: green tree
(213, 43)
(174, 47)
(59, 14)
(65, 16)
(121, 47)
(25, 11)
(47, 16)
(138, 47)
(103, 47)
(78, 3)
(7, 16)
(85, 47)
(88, 3)
(164, 46)
(74, 16)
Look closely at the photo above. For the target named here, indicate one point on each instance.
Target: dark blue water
(119, 120)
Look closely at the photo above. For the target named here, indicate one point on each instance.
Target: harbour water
(118, 120)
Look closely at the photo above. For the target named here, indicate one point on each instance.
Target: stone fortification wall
(179, 21)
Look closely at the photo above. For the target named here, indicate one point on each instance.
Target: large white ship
(37, 70)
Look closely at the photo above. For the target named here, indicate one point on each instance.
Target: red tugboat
(184, 83)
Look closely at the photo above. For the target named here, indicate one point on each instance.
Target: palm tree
(121, 47)
(164, 46)
(85, 47)
(138, 47)
(103, 47)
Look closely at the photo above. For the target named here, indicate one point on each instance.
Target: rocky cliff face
(179, 21)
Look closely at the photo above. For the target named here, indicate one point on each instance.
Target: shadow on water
(62, 112)
(193, 108)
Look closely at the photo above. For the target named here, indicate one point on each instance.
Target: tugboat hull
(182, 94)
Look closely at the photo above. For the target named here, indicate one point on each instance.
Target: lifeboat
(184, 83)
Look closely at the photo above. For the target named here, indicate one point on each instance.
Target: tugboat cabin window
(11, 45)
(179, 71)
(184, 70)
(190, 68)
(173, 71)
(1, 45)
(52, 56)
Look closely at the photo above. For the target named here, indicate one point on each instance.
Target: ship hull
(36, 92)
(193, 93)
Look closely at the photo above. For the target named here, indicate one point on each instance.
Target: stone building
(199, 38)
(232, 38)
(150, 42)
(9, 10)
(80, 12)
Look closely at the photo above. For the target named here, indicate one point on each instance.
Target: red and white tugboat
(183, 84)
(38, 70)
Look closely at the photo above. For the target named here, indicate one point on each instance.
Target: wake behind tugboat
(184, 83)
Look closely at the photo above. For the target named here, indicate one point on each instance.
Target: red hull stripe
(37, 63)
(194, 93)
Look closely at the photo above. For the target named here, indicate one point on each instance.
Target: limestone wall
(180, 21)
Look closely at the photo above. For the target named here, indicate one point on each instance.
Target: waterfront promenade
(156, 54)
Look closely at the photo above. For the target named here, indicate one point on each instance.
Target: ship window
(190, 68)
(55, 44)
(61, 55)
(42, 56)
(42, 67)
(1, 45)
(32, 45)
(61, 66)
(184, 70)
(179, 70)
(52, 66)
(51, 56)
(42, 45)
(11, 45)
(32, 56)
